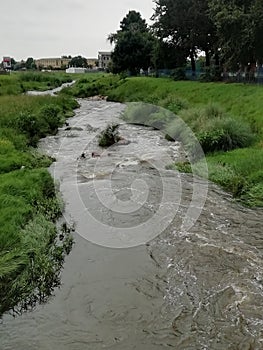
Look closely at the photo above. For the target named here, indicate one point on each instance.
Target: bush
(174, 103)
(109, 136)
(214, 129)
(51, 114)
(210, 75)
(179, 74)
(19, 141)
(225, 135)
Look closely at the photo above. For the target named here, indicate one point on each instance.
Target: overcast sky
(52, 28)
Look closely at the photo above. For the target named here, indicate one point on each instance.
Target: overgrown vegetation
(18, 83)
(94, 84)
(31, 250)
(226, 119)
(109, 136)
(215, 130)
(183, 29)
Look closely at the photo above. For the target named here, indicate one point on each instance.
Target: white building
(74, 70)
(104, 59)
(7, 62)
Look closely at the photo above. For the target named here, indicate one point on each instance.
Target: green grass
(17, 83)
(244, 102)
(240, 172)
(31, 254)
(93, 84)
(33, 117)
(226, 119)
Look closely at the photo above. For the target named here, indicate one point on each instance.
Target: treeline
(30, 64)
(228, 33)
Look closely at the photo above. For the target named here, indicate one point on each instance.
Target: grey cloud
(57, 27)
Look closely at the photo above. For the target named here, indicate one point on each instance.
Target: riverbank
(31, 249)
(17, 82)
(226, 119)
(186, 288)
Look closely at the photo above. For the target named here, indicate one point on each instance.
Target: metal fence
(255, 77)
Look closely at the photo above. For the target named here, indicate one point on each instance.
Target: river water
(197, 288)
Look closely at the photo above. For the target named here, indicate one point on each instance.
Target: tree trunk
(193, 65)
(218, 69)
(207, 58)
(217, 62)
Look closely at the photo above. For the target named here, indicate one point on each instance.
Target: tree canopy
(134, 45)
(78, 61)
(232, 28)
(186, 25)
(230, 33)
(239, 26)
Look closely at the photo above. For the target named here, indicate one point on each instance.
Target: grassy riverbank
(227, 120)
(17, 83)
(31, 253)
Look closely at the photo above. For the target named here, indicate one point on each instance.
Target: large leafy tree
(78, 61)
(134, 45)
(30, 63)
(167, 56)
(239, 26)
(186, 25)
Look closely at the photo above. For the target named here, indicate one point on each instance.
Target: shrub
(28, 124)
(18, 140)
(51, 114)
(254, 195)
(184, 167)
(174, 103)
(109, 136)
(211, 74)
(179, 74)
(226, 134)
(214, 129)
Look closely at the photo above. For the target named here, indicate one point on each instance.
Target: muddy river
(138, 277)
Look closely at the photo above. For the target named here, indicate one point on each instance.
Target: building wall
(6, 62)
(74, 70)
(54, 63)
(104, 59)
(92, 62)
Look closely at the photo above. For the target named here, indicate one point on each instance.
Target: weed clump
(109, 136)
(214, 129)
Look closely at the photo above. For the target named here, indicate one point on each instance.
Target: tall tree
(240, 30)
(133, 44)
(186, 25)
(167, 56)
(29, 63)
(78, 61)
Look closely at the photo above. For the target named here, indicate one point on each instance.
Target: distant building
(73, 70)
(92, 63)
(104, 59)
(52, 63)
(7, 63)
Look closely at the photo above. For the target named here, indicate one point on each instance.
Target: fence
(255, 77)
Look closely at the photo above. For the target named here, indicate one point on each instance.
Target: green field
(227, 120)
(31, 255)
